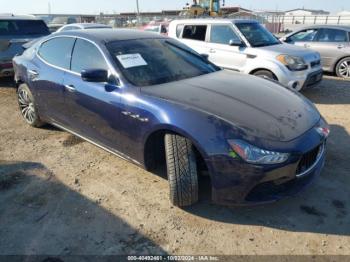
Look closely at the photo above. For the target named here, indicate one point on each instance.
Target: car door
(332, 45)
(93, 108)
(221, 52)
(303, 38)
(46, 76)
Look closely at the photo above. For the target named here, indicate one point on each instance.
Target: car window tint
(87, 56)
(332, 35)
(304, 36)
(57, 51)
(222, 34)
(23, 27)
(195, 32)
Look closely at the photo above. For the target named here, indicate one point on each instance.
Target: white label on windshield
(131, 60)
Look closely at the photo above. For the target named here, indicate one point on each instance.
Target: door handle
(33, 73)
(340, 46)
(211, 50)
(306, 45)
(70, 88)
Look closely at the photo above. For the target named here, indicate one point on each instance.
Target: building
(306, 12)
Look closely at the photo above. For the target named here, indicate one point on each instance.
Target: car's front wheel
(343, 68)
(27, 107)
(182, 170)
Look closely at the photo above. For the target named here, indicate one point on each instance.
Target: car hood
(260, 108)
(288, 49)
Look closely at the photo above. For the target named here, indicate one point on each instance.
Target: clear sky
(117, 6)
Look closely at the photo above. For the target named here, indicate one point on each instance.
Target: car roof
(342, 27)
(213, 21)
(88, 25)
(110, 35)
(18, 17)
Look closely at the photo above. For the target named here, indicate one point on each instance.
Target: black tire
(27, 107)
(182, 170)
(343, 67)
(265, 74)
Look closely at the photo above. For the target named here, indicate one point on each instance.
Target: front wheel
(182, 170)
(26, 104)
(343, 68)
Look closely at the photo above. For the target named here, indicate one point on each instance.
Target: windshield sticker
(131, 60)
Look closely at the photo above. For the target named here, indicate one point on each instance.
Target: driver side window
(87, 56)
(303, 36)
(222, 34)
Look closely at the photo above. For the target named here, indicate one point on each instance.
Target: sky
(117, 6)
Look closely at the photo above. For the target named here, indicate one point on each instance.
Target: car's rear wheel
(265, 74)
(182, 170)
(27, 107)
(343, 68)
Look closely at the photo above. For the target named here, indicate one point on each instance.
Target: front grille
(308, 160)
(315, 63)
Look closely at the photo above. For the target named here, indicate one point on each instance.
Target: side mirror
(236, 42)
(94, 75)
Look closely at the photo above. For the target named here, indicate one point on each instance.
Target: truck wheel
(27, 106)
(182, 170)
(265, 74)
(343, 68)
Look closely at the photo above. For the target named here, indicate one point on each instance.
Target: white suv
(247, 46)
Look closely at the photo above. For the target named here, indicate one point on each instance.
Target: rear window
(195, 32)
(23, 27)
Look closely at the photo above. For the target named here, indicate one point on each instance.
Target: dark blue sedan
(152, 100)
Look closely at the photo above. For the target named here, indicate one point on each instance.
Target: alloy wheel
(27, 106)
(344, 69)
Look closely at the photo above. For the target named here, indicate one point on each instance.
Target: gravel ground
(60, 195)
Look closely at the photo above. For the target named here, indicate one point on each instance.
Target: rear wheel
(265, 74)
(27, 106)
(343, 68)
(182, 170)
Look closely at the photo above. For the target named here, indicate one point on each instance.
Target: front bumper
(235, 182)
(300, 79)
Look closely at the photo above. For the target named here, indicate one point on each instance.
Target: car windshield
(148, 62)
(257, 35)
(23, 27)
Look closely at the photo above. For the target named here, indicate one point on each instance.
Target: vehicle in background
(203, 8)
(60, 21)
(157, 27)
(14, 32)
(248, 47)
(82, 26)
(332, 42)
(154, 101)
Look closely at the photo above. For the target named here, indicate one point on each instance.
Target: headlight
(293, 63)
(255, 155)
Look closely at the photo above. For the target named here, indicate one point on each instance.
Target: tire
(27, 107)
(343, 68)
(182, 170)
(265, 74)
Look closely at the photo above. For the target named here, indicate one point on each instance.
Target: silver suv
(247, 46)
(333, 43)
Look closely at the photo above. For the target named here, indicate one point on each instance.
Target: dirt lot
(60, 195)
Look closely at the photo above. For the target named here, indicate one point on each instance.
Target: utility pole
(49, 7)
(137, 7)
